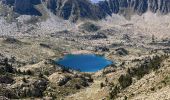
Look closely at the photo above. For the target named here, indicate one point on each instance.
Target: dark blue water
(84, 62)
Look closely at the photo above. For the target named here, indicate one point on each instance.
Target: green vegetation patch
(90, 27)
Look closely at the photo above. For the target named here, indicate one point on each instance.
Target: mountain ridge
(84, 9)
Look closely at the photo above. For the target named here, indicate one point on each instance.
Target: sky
(95, 1)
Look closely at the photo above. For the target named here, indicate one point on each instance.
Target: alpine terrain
(85, 49)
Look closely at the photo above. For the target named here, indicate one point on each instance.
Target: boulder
(58, 78)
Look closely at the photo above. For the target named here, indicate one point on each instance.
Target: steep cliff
(8, 2)
(24, 6)
(139, 6)
(74, 9)
(85, 9)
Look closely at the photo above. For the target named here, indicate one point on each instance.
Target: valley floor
(141, 72)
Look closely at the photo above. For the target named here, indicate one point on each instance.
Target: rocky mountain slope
(24, 6)
(85, 9)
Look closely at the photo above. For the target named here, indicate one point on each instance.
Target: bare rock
(59, 79)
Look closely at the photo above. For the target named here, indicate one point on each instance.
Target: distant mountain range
(84, 9)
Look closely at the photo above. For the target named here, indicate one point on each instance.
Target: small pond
(84, 62)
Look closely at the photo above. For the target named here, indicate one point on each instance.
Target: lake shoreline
(84, 62)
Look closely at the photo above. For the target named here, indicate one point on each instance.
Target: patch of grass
(90, 27)
(12, 40)
(125, 80)
(147, 66)
(166, 80)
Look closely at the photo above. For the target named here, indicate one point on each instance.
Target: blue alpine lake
(84, 62)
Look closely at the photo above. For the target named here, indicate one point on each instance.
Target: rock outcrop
(58, 79)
